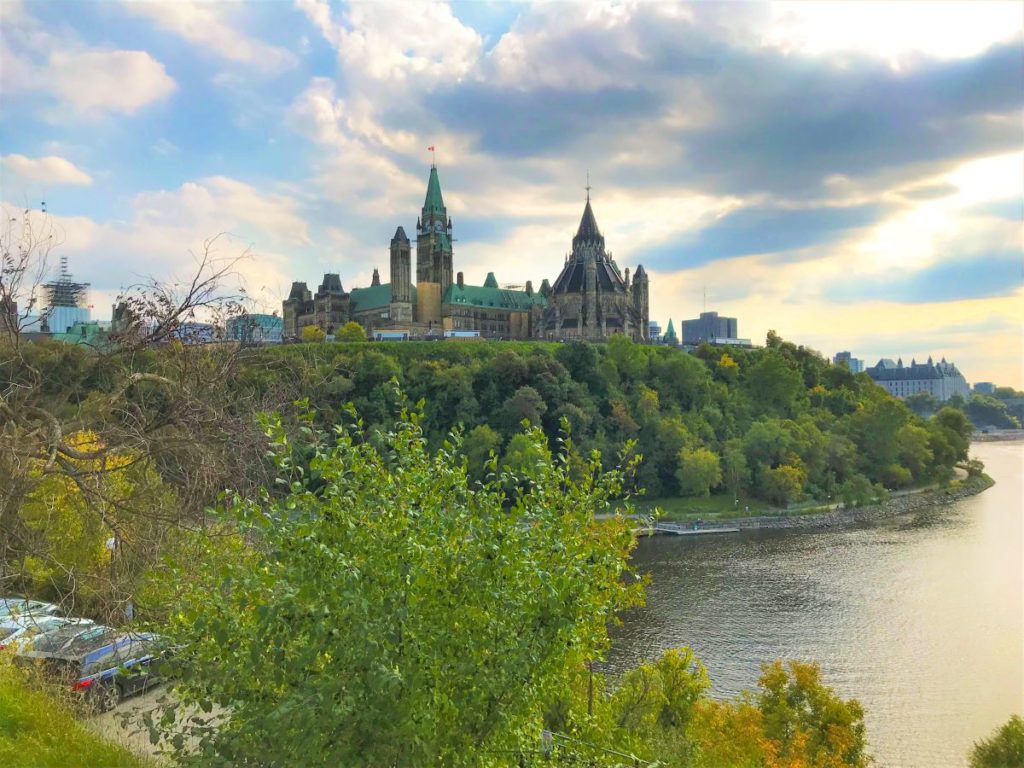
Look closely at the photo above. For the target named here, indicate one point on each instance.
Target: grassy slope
(36, 731)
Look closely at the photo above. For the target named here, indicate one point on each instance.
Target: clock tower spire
(433, 239)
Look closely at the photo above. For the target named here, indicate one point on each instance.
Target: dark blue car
(103, 663)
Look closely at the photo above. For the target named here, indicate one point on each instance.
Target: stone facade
(942, 380)
(591, 299)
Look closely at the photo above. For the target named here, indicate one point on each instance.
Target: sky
(848, 174)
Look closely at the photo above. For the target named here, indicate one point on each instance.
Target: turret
(641, 300)
(375, 280)
(401, 268)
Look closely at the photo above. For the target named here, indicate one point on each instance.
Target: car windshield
(72, 638)
(11, 605)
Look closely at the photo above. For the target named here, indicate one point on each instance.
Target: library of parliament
(589, 300)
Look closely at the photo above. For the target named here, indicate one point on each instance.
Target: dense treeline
(778, 423)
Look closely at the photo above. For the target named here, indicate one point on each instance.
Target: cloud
(107, 81)
(389, 41)
(89, 81)
(207, 27)
(48, 170)
(979, 277)
(762, 230)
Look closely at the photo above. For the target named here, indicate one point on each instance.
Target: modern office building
(984, 388)
(712, 328)
(845, 358)
(255, 329)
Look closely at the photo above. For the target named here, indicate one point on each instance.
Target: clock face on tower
(438, 226)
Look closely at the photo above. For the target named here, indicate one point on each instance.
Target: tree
(699, 471)
(923, 404)
(388, 614)
(155, 409)
(1003, 749)
(988, 411)
(783, 484)
(734, 466)
(350, 331)
(804, 718)
(956, 428)
(478, 445)
(313, 334)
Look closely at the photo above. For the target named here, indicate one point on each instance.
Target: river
(919, 618)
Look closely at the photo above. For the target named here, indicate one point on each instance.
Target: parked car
(104, 664)
(64, 637)
(22, 606)
(21, 632)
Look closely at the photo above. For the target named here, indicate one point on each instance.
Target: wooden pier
(684, 529)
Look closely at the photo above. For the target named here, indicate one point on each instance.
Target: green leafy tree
(387, 614)
(1003, 749)
(914, 452)
(783, 484)
(478, 446)
(923, 404)
(734, 468)
(956, 428)
(313, 334)
(856, 491)
(351, 331)
(699, 471)
(988, 411)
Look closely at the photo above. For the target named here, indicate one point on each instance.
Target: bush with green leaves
(1003, 749)
(387, 610)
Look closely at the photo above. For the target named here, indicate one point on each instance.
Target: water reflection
(919, 617)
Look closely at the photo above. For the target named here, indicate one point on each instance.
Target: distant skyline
(849, 174)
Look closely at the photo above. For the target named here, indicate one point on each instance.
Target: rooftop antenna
(588, 185)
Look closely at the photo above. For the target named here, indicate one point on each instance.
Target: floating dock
(678, 529)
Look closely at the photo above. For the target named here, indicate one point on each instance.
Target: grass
(39, 731)
(714, 507)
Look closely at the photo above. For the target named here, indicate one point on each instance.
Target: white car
(13, 607)
(20, 633)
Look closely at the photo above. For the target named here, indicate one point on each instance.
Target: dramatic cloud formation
(50, 169)
(848, 174)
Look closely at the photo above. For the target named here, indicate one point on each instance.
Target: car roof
(24, 606)
(74, 639)
(25, 621)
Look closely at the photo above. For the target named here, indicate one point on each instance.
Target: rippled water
(920, 618)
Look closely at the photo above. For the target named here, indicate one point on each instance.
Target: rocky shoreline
(893, 507)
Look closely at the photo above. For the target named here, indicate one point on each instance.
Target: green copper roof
(491, 281)
(374, 297)
(492, 297)
(670, 332)
(83, 333)
(434, 203)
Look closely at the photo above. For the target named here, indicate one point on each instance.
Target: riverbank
(998, 435)
(836, 515)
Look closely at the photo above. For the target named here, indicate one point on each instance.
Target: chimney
(460, 281)
(529, 287)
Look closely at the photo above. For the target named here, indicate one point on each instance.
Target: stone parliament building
(590, 299)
